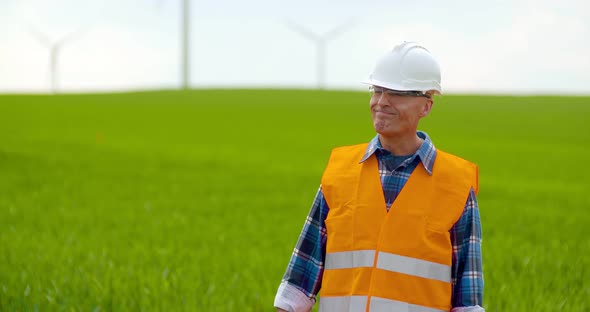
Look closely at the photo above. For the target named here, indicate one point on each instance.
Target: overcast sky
(492, 47)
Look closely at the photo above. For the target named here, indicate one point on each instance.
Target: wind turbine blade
(302, 31)
(39, 35)
(339, 29)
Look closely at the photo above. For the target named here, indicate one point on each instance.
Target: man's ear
(427, 107)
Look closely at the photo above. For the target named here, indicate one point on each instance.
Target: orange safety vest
(391, 261)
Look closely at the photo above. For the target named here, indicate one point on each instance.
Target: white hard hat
(408, 67)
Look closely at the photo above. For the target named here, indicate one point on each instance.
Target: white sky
(493, 46)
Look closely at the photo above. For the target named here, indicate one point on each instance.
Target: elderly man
(395, 224)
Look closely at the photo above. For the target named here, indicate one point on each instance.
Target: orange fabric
(347, 282)
(417, 224)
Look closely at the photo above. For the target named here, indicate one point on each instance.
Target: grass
(193, 201)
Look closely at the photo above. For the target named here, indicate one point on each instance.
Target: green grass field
(193, 201)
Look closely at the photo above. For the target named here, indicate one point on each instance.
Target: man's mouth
(388, 113)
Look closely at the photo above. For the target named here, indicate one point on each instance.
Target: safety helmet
(408, 67)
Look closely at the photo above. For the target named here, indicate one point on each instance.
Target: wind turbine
(185, 28)
(54, 50)
(320, 41)
(186, 44)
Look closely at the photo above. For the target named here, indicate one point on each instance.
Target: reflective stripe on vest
(343, 304)
(358, 303)
(390, 262)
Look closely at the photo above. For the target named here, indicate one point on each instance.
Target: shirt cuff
(291, 299)
(468, 309)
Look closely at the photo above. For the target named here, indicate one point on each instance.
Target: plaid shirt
(304, 273)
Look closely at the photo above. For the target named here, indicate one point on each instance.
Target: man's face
(397, 113)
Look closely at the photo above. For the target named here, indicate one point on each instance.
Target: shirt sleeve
(303, 278)
(467, 271)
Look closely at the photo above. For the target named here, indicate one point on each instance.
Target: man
(395, 224)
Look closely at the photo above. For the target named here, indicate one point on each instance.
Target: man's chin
(382, 128)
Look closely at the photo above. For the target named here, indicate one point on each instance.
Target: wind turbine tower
(186, 44)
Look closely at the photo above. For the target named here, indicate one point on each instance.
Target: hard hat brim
(396, 87)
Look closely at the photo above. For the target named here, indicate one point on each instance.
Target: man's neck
(401, 145)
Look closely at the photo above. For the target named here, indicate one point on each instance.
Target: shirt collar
(426, 152)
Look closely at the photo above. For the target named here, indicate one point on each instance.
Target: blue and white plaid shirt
(302, 280)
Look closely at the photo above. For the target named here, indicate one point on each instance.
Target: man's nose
(382, 100)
